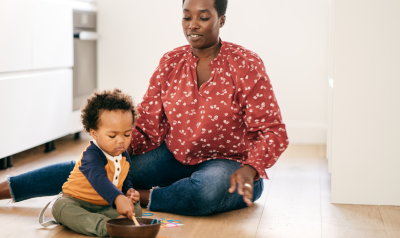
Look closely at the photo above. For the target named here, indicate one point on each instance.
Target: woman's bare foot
(144, 197)
(4, 190)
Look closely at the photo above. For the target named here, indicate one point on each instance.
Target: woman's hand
(124, 206)
(130, 150)
(133, 195)
(244, 177)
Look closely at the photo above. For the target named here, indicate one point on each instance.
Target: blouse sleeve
(263, 122)
(152, 125)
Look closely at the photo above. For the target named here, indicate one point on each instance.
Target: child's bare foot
(121, 217)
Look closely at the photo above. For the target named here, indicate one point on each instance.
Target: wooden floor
(295, 203)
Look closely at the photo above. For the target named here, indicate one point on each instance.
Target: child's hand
(133, 195)
(124, 206)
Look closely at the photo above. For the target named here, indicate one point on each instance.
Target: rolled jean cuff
(9, 185)
(151, 192)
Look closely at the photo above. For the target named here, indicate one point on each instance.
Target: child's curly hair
(110, 100)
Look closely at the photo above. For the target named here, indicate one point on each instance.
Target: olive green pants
(85, 217)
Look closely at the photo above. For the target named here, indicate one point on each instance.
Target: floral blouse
(234, 115)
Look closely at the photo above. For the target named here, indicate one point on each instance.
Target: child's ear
(93, 134)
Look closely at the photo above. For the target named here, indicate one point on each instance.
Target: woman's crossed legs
(187, 189)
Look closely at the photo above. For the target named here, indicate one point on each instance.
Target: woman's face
(200, 23)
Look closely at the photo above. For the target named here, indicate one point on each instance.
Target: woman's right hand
(124, 206)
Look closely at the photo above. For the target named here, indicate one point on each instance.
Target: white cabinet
(35, 34)
(15, 39)
(365, 103)
(52, 37)
(35, 108)
(36, 56)
(76, 123)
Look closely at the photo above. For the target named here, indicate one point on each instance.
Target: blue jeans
(184, 189)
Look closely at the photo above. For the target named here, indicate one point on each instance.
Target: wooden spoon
(135, 221)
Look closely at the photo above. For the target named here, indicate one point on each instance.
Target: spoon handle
(135, 221)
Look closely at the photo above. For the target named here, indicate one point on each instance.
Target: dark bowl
(125, 228)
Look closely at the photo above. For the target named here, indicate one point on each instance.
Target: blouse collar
(220, 54)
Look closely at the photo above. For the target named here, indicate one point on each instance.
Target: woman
(209, 123)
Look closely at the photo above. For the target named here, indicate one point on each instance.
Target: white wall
(291, 37)
(366, 102)
(133, 37)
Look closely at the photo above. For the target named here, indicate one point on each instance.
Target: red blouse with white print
(234, 115)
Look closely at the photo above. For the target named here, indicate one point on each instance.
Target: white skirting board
(306, 133)
(35, 108)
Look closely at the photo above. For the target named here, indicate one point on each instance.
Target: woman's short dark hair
(220, 6)
(109, 100)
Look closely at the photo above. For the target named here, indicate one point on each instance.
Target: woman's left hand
(244, 177)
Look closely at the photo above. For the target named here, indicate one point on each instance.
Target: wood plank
(292, 208)
(26, 225)
(350, 228)
(349, 211)
(67, 233)
(391, 219)
(11, 214)
(295, 227)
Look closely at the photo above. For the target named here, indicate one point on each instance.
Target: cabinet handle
(86, 35)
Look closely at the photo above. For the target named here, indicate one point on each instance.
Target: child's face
(114, 131)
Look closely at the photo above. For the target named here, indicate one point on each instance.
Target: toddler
(99, 187)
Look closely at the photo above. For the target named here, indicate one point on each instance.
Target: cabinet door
(15, 38)
(35, 108)
(52, 35)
